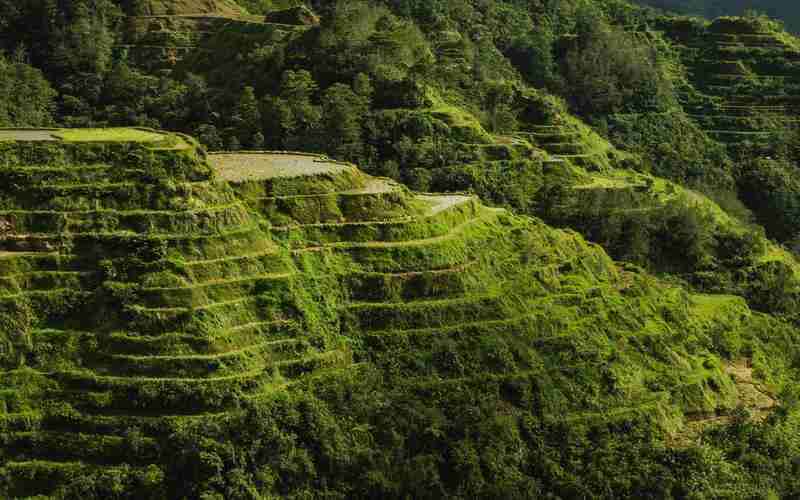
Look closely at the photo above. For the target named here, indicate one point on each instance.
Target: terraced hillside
(568, 140)
(440, 290)
(146, 288)
(746, 73)
(184, 7)
(137, 292)
(161, 37)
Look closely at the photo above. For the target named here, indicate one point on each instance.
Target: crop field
(241, 167)
(108, 135)
(82, 135)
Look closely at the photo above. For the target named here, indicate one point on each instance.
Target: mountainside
(525, 250)
(152, 292)
(788, 12)
(182, 7)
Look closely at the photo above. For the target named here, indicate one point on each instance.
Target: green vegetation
(528, 250)
(785, 11)
(135, 325)
(108, 134)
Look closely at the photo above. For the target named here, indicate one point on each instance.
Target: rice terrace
(392, 249)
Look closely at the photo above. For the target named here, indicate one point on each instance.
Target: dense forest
(647, 168)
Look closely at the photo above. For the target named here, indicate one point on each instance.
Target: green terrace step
(11, 401)
(747, 52)
(176, 39)
(370, 316)
(77, 172)
(720, 67)
(374, 245)
(210, 219)
(247, 238)
(739, 122)
(759, 99)
(658, 404)
(383, 340)
(547, 128)
(566, 148)
(121, 196)
(749, 110)
(585, 160)
(270, 261)
(44, 299)
(763, 45)
(14, 284)
(545, 138)
(442, 252)
(476, 344)
(559, 315)
(210, 292)
(775, 66)
(378, 199)
(767, 47)
(218, 342)
(90, 391)
(32, 175)
(743, 111)
(721, 83)
(95, 449)
(72, 181)
(42, 477)
(298, 368)
(445, 212)
(19, 422)
(222, 314)
(200, 249)
(230, 362)
(732, 37)
(738, 136)
(765, 99)
(155, 425)
(384, 287)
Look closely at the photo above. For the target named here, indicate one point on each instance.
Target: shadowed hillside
(787, 12)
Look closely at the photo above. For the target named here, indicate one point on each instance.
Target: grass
(108, 135)
(604, 182)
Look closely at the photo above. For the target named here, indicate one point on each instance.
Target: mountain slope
(786, 12)
(150, 305)
(241, 324)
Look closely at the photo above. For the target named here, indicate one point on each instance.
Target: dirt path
(752, 396)
(440, 203)
(27, 135)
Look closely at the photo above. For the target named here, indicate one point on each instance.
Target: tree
(291, 115)
(26, 98)
(608, 71)
(534, 56)
(247, 117)
(344, 112)
(85, 43)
